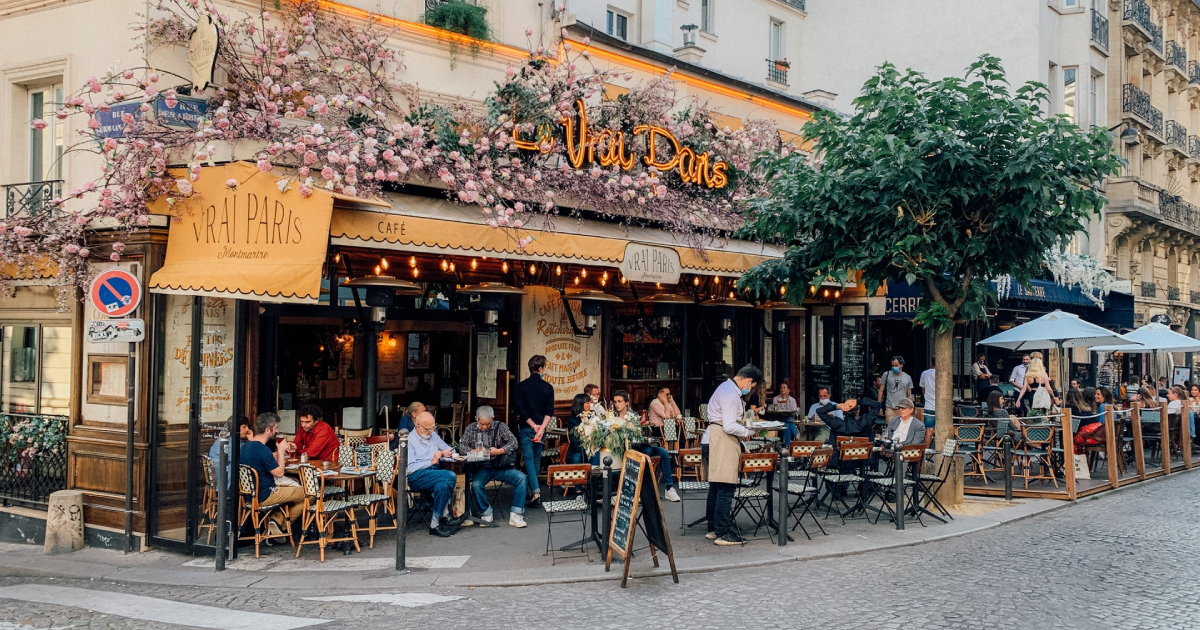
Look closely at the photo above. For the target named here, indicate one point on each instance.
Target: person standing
(494, 438)
(897, 385)
(1037, 387)
(929, 393)
(723, 441)
(1017, 378)
(534, 402)
(979, 370)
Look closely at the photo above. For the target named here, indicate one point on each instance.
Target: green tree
(947, 183)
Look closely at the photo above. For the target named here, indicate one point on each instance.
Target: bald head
(425, 420)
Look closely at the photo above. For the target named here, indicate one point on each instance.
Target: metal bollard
(222, 499)
(1007, 441)
(898, 476)
(607, 462)
(401, 499)
(781, 497)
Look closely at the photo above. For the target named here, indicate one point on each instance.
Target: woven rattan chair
(380, 498)
(1035, 449)
(257, 514)
(970, 443)
(806, 490)
(322, 513)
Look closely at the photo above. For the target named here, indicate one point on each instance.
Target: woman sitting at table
(1093, 433)
(581, 404)
(783, 401)
(620, 403)
(996, 410)
(661, 411)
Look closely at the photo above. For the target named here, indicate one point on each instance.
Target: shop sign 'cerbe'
(647, 263)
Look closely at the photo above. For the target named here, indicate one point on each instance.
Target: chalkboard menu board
(822, 376)
(853, 360)
(629, 494)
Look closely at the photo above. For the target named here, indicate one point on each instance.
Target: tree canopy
(949, 182)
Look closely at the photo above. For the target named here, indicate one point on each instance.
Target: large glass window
(35, 369)
(706, 15)
(778, 49)
(46, 145)
(618, 24)
(1069, 83)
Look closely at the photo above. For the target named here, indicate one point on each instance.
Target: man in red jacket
(315, 437)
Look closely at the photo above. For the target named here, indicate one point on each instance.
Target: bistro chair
(750, 496)
(382, 493)
(806, 491)
(993, 449)
(803, 451)
(691, 463)
(670, 436)
(854, 454)
(354, 437)
(931, 484)
(968, 412)
(1152, 441)
(1035, 449)
(911, 455)
(691, 436)
(567, 477)
(323, 513)
(704, 414)
(208, 503)
(970, 441)
(258, 514)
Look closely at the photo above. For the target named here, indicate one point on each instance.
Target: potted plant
(782, 65)
(460, 17)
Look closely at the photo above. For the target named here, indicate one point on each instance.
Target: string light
(604, 276)
(657, 285)
(717, 280)
(812, 290)
(782, 289)
(731, 295)
(416, 272)
(837, 293)
(583, 273)
(504, 266)
(558, 270)
(623, 280)
(532, 269)
(696, 281)
(412, 262)
(576, 279)
(451, 266)
(445, 265)
(474, 264)
(603, 282)
(383, 263)
(826, 293)
(337, 258)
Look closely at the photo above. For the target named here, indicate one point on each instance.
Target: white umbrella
(1156, 337)
(1057, 330)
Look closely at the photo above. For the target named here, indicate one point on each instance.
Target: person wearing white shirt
(1017, 378)
(722, 443)
(929, 393)
(593, 392)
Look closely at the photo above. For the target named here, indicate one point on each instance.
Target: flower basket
(782, 65)
(609, 432)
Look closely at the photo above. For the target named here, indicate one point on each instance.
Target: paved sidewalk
(502, 556)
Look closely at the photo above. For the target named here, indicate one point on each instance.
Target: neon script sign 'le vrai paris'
(608, 148)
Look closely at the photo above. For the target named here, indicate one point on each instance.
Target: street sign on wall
(107, 330)
(115, 293)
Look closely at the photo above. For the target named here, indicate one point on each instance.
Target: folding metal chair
(566, 477)
(806, 493)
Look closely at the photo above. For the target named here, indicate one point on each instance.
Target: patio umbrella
(1057, 330)
(1155, 337)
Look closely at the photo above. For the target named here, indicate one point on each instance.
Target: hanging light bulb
(451, 266)
(826, 293)
(377, 270)
(416, 272)
(337, 258)
(837, 293)
(583, 273)
(412, 262)
(604, 276)
(657, 285)
(717, 280)
(532, 269)
(696, 281)
(603, 282)
(558, 270)
(731, 296)
(812, 290)
(782, 289)
(576, 279)
(474, 264)
(383, 263)
(623, 281)
(445, 265)
(504, 266)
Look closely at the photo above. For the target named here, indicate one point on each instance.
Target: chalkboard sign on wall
(630, 493)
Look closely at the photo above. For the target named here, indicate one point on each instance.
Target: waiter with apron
(722, 443)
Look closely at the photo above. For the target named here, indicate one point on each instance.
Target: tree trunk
(951, 492)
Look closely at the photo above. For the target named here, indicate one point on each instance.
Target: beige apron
(724, 455)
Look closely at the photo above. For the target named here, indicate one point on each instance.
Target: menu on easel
(630, 492)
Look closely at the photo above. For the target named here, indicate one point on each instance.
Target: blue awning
(1045, 292)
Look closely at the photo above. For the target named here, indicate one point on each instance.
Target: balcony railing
(776, 72)
(1194, 147)
(799, 4)
(1138, 12)
(1099, 29)
(1177, 136)
(30, 198)
(1137, 102)
(33, 457)
(1149, 290)
(1173, 294)
(1195, 297)
(1173, 208)
(1193, 73)
(1176, 55)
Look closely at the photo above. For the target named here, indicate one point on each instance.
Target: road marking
(154, 609)
(406, 600)
(336, 563)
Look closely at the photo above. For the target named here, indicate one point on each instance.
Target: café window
(35, 369)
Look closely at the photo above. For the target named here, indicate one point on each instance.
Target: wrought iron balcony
(777, 72)
(1137, 102)
(1173, 294)
(1138, 12)
(1149, 290)
(30, 198)
(1177, 136)
(1173, 208)
(1195, 297)
(1099, 29)
(1194, 147)
(1176, 55)
(1193, 72)
(799, 4)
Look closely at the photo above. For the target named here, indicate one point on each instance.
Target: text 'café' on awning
(362, 307)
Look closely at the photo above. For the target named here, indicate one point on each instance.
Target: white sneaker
(671, 495)
(486, 518)
(516, 520)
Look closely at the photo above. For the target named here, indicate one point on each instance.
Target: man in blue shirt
(244, 433)
(534, 402)
(425, 449)
(268, 458)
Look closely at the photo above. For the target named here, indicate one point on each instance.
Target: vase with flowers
(609, 431)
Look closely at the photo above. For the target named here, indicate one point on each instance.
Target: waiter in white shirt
(929, 393)
(1017, 379)
(723, 442)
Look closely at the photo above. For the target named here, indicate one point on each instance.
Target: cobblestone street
(1122, 561)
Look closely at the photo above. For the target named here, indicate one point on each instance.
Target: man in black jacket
(534, 404)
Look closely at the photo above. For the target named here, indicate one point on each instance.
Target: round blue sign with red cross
(116, 293)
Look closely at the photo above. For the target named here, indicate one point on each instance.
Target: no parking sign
(116, 293)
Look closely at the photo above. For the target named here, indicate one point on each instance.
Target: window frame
(777, 42)
(1071, 86)
(612, 16)
(44, 148)
(39, 376)
(706, 16)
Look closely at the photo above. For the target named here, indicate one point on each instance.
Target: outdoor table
(595, 498)
(465, 466)
(332, 471)
(813, 430)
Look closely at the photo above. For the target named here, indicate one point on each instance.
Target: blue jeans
(531, 452)
(930, 419)
(790, 433)
(510, 476)
(664, 457)
(438, 482)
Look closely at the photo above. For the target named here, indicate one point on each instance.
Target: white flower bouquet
(610, 431)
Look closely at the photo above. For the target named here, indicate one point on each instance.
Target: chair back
(1002, 427)
(248, 484)
(820, 457)
(377, 439)
(689, 427)
(346, 455)
(704, 412)
(691, 457)
(843, 439)
(354, 438)
(1151, 416)
(968, 433)
(457, 415)
(385, 468)
(1039, 435)
(210, 471)
(949, 447)
(755, 463)
(311, 482)
(854, 451)
(912, 453)
(670, 430)
(969, 412)
(567, 475)
(804, 449)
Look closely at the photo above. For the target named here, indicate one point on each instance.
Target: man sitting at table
(268, 458)
(497, 440)
(425, 450)
(315, 437)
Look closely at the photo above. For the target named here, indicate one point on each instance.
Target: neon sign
(608, 148)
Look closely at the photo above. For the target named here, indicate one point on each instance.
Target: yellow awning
(248, 240)
(39, 267)
(423, 224)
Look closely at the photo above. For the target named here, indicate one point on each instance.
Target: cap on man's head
(905, 403)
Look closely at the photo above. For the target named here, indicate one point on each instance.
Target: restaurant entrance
(838, 336)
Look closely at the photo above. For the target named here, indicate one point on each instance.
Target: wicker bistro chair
(208, 503)
(752, 497)
(1152, 439)
(970, 443)
(355, 437)
(879, 486)
(1035, 448)
(670, 438)
(802, 451)
(323, 513)
(692, 461)
(993, 449)
(691, 435)
(381, 494)
(567, 477)
(258, 514)
(851, 454)
(805, 489)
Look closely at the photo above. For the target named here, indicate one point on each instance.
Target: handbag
(1041, 399)
(505, 461)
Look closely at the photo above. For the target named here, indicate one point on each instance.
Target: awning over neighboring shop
(421, 224)
(248, 240)
(39, 267)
